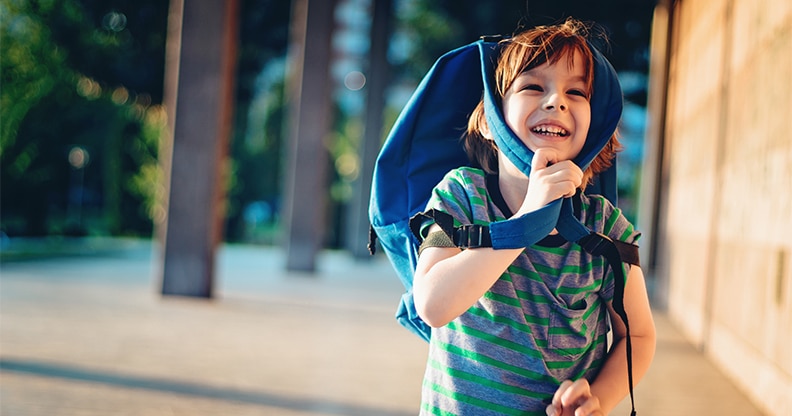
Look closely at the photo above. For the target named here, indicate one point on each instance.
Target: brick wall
(724, 247)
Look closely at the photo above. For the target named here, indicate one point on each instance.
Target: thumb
(543, 158)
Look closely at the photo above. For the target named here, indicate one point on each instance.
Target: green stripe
(516, 303)
(476, 201)
(449, 196)
(503, 320)
(598, 363)
(468, 182)
(480, 221)
(503, 299)
(564, 331)
(569, 268)
(572, 290)
(563, 364)
(435, 410)
(464, 178)
(483, 359)
(505, 343)
(593, 308)
(476, 401)
(533, 297)
(523, 272)
(485, 382)
(584, 206)
(597, 212)
(558, 251)
(611, 221)
(627, 233)
(521, 295)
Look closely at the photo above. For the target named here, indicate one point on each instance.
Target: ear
(485, 130)
(486, 134)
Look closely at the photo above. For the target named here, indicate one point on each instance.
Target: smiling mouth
(552, 131)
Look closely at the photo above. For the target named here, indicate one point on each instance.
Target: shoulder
(461, 193)
(596, 202)
(464, 179)
(466, 174)
(601, 215)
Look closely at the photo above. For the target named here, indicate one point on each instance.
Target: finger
(564, 170)
(543, 158)
(566, 384)
(562, 183)
(577, 393)
(589, 407)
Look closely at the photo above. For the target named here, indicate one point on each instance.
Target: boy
(524, 331)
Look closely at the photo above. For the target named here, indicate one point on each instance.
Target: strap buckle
(472, 236)
(596, 243)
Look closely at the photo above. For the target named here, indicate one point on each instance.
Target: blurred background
(222, 152)
(83, 116)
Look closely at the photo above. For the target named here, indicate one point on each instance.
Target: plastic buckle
(469, 236)
(595, 243)
(491, 38)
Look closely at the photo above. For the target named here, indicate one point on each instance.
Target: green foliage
(147, 184)
(88, 74)
(436, 27)
(52, 106)
(257, 148)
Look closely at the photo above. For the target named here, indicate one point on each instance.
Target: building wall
(724, 247)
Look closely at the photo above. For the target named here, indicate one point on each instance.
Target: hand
(574, 399)
(550, 179)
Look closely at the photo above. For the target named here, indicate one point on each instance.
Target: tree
(70, 81)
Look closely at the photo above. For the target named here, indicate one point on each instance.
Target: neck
(513, 184)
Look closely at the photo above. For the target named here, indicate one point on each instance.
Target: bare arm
(448, 281)
(611, 385)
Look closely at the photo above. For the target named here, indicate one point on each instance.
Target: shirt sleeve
(616, 226)
(436, 239)
(450, 205)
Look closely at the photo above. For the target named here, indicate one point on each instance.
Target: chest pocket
(573, 330)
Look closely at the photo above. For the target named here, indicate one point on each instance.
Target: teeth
(552, 130)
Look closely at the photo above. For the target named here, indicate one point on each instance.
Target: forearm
(456, 280)
(611, 384)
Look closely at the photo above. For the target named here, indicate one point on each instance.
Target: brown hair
(522, 52)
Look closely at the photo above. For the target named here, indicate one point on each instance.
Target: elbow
(434, 321)
(652, 342)
(431, 314)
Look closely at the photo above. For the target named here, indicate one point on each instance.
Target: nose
(555, 101)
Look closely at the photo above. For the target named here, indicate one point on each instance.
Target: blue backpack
(424, 144)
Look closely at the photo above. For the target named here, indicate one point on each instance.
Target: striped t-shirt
(542, 322)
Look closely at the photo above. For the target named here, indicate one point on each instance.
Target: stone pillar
(377, 81)
(200, 69)
(306, 188)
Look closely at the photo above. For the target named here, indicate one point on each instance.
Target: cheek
(514, 112)
(583, 120)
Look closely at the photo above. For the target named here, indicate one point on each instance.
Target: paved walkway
(91, 336)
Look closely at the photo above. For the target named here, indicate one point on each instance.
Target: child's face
(548, 107)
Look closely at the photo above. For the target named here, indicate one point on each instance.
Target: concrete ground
(90, 335)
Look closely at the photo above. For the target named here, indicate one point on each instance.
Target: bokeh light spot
(355, 80)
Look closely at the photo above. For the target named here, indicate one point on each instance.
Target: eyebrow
(580, 78)
(574, 78)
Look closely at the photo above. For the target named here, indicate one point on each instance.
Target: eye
(578, 92)
(532, 87)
